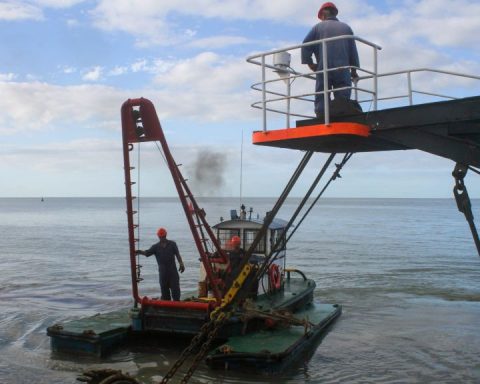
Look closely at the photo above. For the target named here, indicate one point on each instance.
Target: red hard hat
(327, 5)
(235, 240)
(162, 232)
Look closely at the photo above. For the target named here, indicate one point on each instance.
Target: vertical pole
(130, 212)
(289, 91)
(264, 95)
(241, 170)
(355, 89)
(326, 95)
(375, 78)
(410, 96)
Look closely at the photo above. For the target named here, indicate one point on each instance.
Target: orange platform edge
(259, 137)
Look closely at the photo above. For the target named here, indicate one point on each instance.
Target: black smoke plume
(207, 173)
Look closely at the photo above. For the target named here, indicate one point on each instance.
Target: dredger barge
(264, 318)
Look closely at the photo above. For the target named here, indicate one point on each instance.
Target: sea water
(405, 271)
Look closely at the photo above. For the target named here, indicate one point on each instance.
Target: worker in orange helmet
(235, 257)
(165, 252)
(340, 53)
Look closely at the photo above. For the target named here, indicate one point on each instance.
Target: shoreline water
(405, 271)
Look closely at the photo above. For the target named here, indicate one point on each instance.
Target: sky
(66, 67)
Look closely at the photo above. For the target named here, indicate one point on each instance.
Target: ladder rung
(135, 225)
(134, 197)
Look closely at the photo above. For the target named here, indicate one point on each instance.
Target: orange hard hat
(162, 232)
(327, 5)
(235, 240)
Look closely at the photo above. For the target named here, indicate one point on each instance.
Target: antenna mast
(241, 168)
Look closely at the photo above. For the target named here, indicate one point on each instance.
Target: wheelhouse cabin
(247, 227)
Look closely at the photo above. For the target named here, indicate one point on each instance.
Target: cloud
(208, 86)
(14, 10)
(94, 74)
(61, 156)
(139, 66)
(41, 106)
(7, 76)
(208, 72)
(58, 3)
(73, 23)
(117, 71)
(216, 42)
(150, 21)
(68, 69)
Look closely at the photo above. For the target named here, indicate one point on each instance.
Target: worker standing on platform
(165, 252)
(340, 53)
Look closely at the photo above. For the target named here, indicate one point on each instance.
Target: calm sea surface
(405, 271)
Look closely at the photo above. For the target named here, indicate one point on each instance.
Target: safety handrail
(273, 96)
(260, 59)
(410, 90)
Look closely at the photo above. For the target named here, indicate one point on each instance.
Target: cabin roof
(252, 223)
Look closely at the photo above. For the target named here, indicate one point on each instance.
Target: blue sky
(66, 66)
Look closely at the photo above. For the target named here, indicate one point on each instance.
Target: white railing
(280, 72)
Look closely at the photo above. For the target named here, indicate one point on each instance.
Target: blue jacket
(340, 53)
(165, 255)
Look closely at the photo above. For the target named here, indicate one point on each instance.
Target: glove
(181, 269)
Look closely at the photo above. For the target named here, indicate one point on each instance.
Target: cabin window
(250, 235)
(225, 235)
(274, 238)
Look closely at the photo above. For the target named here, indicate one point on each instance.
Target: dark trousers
(169, 283)
(336, 79)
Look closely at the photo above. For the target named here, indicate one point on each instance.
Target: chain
(218, 324)
(463, 200)
(195, 342)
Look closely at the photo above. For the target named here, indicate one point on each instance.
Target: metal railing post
(289, 91)
(375, 78)
(409, 81)
(355, 89)
(264, 95)
(326, 96)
